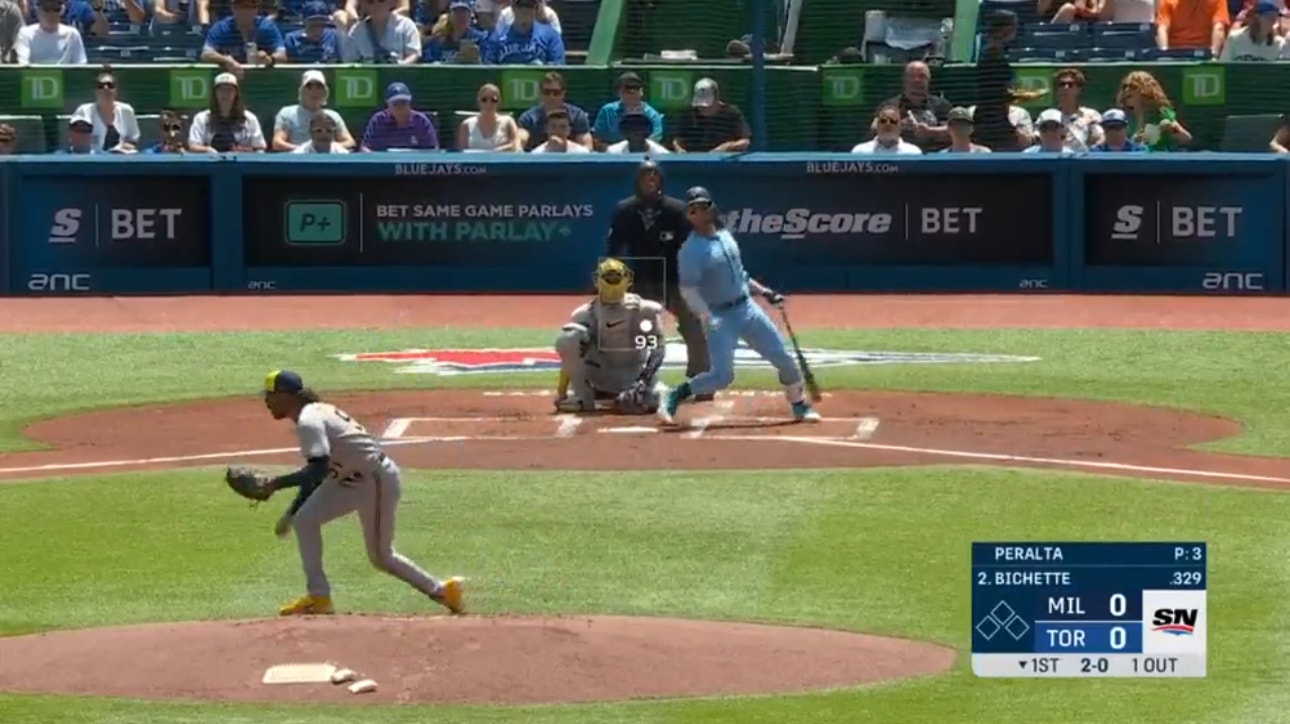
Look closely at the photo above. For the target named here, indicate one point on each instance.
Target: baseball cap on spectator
(635, 122)
(1050, 117)
(705, 93)
(1267, 7)
(468, 4)
(225, 79)
(959, 114)
(629, 80)
(313, 76)
(397, 93)
(315, 10)
(525, 4)
(1114, 118)
(80, 123)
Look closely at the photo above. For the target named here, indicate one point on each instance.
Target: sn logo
(1128, 223)
(67, 224)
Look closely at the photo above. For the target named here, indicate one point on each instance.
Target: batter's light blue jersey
(711, 272)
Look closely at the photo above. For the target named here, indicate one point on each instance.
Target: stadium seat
(1249, 134)
(1045, 55)
(1178, 54)
(31, 133)
(149, 130)
(1113, 55)
(1054, 37)
(136, 53)
(578, 21)
(1123, 35)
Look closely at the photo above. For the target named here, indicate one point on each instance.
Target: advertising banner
(462, 221)
(106, 233)
(820, 216)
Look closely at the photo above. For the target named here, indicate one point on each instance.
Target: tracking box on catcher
(612, 348)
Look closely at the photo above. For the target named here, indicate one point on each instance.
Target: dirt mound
(469, 660)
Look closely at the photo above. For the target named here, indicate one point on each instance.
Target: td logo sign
(1036, 79)
(521, 88)
(42, 89)
(670, 89)
(190, 88)
(842, 87)
(353, 88)
(1205, 86)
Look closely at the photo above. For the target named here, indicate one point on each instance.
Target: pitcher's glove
(249, 483)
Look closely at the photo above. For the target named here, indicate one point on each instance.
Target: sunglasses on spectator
(322, 129)
(171, 127)
(632, 88)
(105, 85)
(1067, 84)
(888, 122)
(488, 99)
(1050, 126)
(552, 91)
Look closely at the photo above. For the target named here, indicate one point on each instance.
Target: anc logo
(484, 361)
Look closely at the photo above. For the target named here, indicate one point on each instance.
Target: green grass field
(878, 550)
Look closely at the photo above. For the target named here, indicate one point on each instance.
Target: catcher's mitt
(248, 483)
(639, 399)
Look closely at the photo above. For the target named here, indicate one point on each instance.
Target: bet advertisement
(468, 221)
(110, 234)
(1200, 229)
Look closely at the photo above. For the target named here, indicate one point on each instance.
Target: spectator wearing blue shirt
(80, 138)
(457, 40)
(526, 41)
(87, 16)
(246, 30)
(398, 127)
(1115, 127)
(315, 43)
(631, 100)
(533, 121)
(172, 12)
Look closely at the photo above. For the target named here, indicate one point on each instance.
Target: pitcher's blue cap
(284, 381)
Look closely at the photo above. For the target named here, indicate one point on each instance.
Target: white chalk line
(1006, 458)
(865, 428)
(698, 427)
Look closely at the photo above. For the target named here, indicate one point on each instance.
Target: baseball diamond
(606, 558)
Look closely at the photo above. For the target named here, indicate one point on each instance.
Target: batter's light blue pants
(748, 322)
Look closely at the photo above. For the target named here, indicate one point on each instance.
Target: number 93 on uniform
(1084, 609)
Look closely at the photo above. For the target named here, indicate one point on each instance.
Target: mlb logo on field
(1173, 622)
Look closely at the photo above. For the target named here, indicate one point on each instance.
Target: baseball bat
(807, 375)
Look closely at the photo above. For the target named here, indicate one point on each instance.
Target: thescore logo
(799, 222)
(122, 225)
(1197, 222)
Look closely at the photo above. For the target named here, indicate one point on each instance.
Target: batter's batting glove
(773, 297)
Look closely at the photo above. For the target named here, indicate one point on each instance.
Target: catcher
(347, 472)
(612, 348)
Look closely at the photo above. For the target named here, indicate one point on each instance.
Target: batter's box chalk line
(709, 427)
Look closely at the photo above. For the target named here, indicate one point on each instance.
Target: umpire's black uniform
(652, 224)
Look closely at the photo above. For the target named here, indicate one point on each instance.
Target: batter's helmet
(613, 278)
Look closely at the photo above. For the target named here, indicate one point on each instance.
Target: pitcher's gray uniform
(361, 478)
(608, 348)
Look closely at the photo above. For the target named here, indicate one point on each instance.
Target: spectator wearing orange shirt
(1192, 24)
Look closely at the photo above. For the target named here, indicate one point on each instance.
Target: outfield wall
(1185, 223)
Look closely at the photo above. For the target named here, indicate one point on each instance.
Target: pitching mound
(470, 660)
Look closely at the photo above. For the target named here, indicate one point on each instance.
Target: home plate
(299, 674)
(629, 430)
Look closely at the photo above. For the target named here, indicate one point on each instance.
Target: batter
(611, 348)
(347, 471)
(716, 286)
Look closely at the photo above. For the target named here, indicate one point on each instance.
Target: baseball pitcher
(346, 472)
(612, 348)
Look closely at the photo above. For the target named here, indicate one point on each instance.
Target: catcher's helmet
(612, 279)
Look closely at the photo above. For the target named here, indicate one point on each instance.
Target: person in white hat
(1052, 133)
(291, 125)
(227, 126)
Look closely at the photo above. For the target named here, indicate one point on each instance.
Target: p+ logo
(1002, 618)
(315, 223)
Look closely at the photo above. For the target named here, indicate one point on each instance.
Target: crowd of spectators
(240, 33)
(627, 125)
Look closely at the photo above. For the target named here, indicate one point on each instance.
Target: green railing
(823, 108)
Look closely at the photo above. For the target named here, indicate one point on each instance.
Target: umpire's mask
(613, 278)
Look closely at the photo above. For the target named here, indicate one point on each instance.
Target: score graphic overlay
(631, 332)
(1089, 609)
